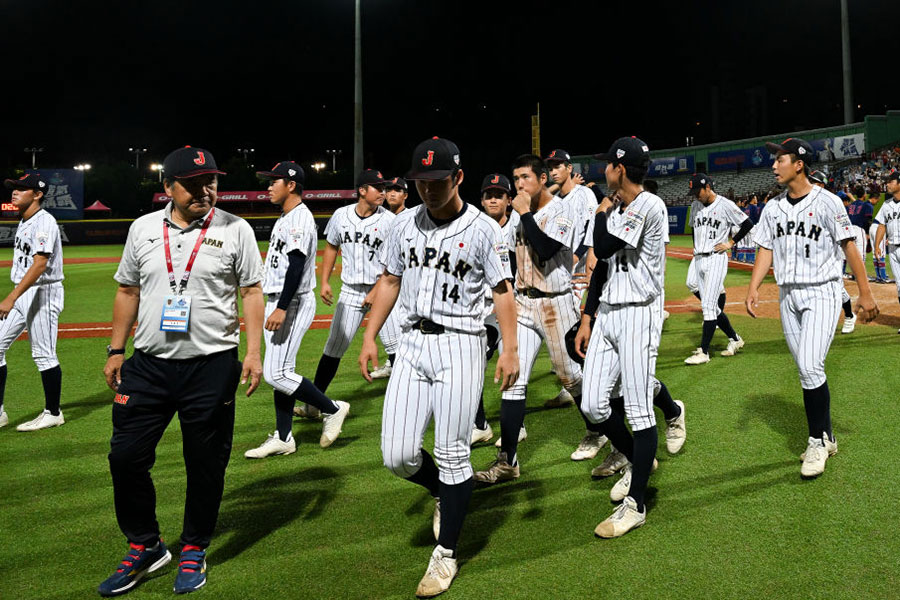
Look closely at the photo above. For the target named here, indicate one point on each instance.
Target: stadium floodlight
(137, 156)
(159, 170)
(34, 152)
(83, 167)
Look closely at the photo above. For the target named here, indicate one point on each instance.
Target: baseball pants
(893, 253)
(440, 376)
(348, 316)
(859, 236)
(282, 345)
(711, 271)
(808, 319)
(37, 310)
(201, 390)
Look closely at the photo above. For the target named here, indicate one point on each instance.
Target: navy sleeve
(605, 244)
(296, 262)
(598, 278)
(746, 226)
(544, 245)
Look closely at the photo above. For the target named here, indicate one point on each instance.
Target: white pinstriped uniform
(39, 307)
(444, 269)
(806, 254)
(712, 225)
(889, 216)
(295, 230)
(508, 230)
(661, 299)
(585, 202)
(547, 319)
(362, 242)
(625, 339)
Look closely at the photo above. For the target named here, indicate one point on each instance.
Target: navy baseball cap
(31, 181)
(628, 151)
(893, 175)
(397, 183)
(697, 182)
(818, 177)
(285, 170)
(498, 182)
(370, 177)
(435, 158)
(801, 148)
(190, 162)
(558, 156)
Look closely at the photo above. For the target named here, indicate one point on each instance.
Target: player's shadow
(491, 507)
(85, 405)
(252, 512)
(781, 416)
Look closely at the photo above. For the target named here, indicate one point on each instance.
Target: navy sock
(709, 328)
(663, 401)
(848, 309)
(454, 504)
(392, 358)
(284, 413)
(614, 428)
(427, 476)
(512, 417)
(721, 301)
(52, 380)
(325, 372)
(645, 442)
(617, 408)
(3, 383)
(594, 427)
(697, 294)
(307, 392)
(480, 418)
(725, 325)
(817, 403)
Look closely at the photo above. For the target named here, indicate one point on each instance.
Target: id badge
(176, 314)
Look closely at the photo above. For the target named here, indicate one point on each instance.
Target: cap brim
(203, 172)
(604, 156)
(15, 184)
(775, 148)
(549, 160)
(695, 191)
(427, 175)
(496, 187)
(269, 174)
(394, 186)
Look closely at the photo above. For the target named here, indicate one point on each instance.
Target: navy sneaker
(191, 570)
(139, 561)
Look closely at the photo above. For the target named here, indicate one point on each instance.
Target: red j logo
(201, 159)
(429, 159)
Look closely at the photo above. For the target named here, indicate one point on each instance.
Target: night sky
(88, 80)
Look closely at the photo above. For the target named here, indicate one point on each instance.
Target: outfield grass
(729, 517)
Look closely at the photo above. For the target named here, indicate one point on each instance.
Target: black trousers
(201, 390)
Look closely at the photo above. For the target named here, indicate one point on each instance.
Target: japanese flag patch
(502, 250)
(843, 220)
(563, 226)
(633, 219)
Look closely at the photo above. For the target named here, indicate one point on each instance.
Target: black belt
(704, 253)
(536, 293)
(428, 327)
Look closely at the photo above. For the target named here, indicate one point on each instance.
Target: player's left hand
(724, 246)
(867, 309)
(369, 353)
(253, 370)
(752, 302)
(582, 337)
(275, 320)
(507, 371)
(6, 307)
(578, 178)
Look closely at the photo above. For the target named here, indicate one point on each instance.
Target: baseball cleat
(331, 424)
(814, 458)
(191, 570)
(697, 358)
(42, 421)
(614, 462)
(676, 433)
(481, 435)
(666, 315)
(273, 446)
(733, 347)
(849, 324)
(623, 485)
(830, 446)
(139, 561)
(563, 398)
(436, 519)
(306, 411)
(625, 518)
(4, 418)
(522, 435)
(589, 447)
(442, 568)
(382, 372)
(500, 470)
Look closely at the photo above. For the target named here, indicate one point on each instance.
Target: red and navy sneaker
(191, 570)
(139, 561)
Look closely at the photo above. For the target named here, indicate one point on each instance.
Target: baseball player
(396, 193)
(625, 338)
(800, 232)
(878, 258)
(860, 211)
(36, 298)
(818, 179)
(359, 231)
(888, 220)
(290, 307)
(440, 256)
(712, 217)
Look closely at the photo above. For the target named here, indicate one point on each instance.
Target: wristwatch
(110, 351)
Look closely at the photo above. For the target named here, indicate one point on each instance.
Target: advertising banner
(677, 219)
(263, 196)
(671, 165)
(64, 198)
(747, 158)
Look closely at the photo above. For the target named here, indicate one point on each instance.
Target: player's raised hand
(867, 309)
(578, 178)
(582, 337)
(369, 353)
(522, 202)
(507, 371)
(113, 371)
(752, 302)
(252, 369)
(275, 320)
(325, 294)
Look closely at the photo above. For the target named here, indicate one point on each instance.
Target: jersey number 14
(452, 294)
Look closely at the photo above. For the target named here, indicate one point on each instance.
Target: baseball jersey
(560, 222)
(635, 272)
(584, 202)
(712, 223)
(445, 266)
(361, 240)
(889, 216)
(508, 230)
(805, 237)
(38, 234)
(858, 211)
(295, 230)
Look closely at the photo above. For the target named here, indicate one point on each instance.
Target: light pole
(247, 152)
(158, 168)
(845, 59)
(333, 154)
(357, 102)
(137, 156)
(318, 166)
(34, 151)
(83, 167)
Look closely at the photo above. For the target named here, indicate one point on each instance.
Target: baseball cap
(559, 156)
(285, 170)
(435, 158)
(31, 181)
(801, 148)
(697, 182)
(190, 162)
(496, 181)
(397, 183)
(818, 177)
(628, 151)
(893, 175)
(370, 177)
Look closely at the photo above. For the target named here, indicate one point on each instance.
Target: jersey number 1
(807, 251)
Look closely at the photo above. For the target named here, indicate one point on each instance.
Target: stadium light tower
(137, 156)
(845, 55)
(34, 152)
(357, 102)
(333, 154)
(159, 170)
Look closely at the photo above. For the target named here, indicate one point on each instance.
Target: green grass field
(729, 517)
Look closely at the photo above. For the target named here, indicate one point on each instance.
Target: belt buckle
(532, 293)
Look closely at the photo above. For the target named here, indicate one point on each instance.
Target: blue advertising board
(678, 216)
(64, 198)
(747, 158)
(671, 165)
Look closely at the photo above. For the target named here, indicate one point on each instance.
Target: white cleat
(830, 447)
(589, 447)
(814, 458)
(42, 421)
(382, 372)
(522, 435)
(481, 435)
(306, 411)
(733, 347)
(4, 418)
(676, 433)
(273, 446)
(442, 568)
(563, 398)
(436, 519)
(849, 324)
(331, 424)
(623, 486)
(699, 357)
(625, 518)
(614, 462)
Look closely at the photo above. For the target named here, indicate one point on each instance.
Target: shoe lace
(619, 513)
(191, 558)
(438, 567)
(588, 442)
